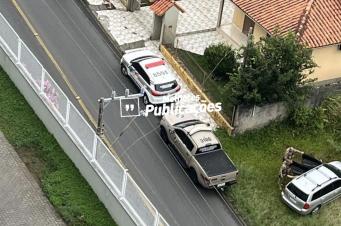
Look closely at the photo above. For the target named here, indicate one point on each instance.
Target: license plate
(221, 185)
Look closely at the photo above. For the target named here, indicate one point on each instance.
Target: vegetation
(258, 156)
(221, 60)
(61, 181)
(274, 69)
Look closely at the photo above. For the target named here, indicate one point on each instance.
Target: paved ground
(22, 201)
(93, 69)
(195, 26)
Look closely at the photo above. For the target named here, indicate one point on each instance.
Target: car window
(297, 192)
(140, 70)
(337, 184)
(209, 148)
(166, 86)
(323, 191)
(184, 138)
(317, 195)
(333, 169)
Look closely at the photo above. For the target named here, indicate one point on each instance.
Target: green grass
(258, 156)
(61, 181)
(197, 65)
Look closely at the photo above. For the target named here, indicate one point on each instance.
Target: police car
(199, 150)
(151, 74)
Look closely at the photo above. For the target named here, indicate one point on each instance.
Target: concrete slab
(22, 201)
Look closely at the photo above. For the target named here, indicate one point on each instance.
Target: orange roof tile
(160, 7)
(318, 22)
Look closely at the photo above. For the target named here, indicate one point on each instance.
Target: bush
(308, 118)
(221, 59)
(274, 69)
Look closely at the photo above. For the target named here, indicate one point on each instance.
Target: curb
(84, 6)
(195, 88)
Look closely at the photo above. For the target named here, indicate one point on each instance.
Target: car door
(336, 193)
(134, 74)
(142, 78)
(328, 193)
(183, 144)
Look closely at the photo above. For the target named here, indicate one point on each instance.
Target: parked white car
(308, 192)
(151, 74)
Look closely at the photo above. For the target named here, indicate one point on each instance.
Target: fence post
(94, 148)
(42, 82)
(67, 116)
(19, 51)
(124, 183)
(157, 218)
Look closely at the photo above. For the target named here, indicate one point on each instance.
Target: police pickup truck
(200, 149)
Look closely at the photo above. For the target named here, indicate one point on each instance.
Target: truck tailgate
(215, 163)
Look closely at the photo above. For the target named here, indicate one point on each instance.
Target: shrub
(308, 118)
(221, 59)
(274, 69)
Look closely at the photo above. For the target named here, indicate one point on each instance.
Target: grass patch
(197, 65)
(258, 156)
(61, 181)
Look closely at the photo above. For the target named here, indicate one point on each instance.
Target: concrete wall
(115, 209)
(247, 118)
(258, 32)
(170, 21)
(328, 60)
(238, 20)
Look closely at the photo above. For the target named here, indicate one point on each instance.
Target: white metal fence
(108, 168)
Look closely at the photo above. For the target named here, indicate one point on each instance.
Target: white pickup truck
(200, 149)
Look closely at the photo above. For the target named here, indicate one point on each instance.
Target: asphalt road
(93, 69)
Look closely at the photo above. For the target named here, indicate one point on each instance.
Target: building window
(248, 23)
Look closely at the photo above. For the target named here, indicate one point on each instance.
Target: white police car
(150, 72)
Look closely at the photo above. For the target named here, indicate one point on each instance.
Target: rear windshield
(208, 148)
(333, 169)
(297, 192)
(166, 86)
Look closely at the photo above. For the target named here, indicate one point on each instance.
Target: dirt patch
(35, 165)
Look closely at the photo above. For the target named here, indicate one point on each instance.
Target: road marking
(63, 75)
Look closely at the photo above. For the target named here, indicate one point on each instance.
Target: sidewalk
(21, 199)
(196, 28)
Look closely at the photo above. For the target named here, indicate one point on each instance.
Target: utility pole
(103, 102)
(220, 13)
(100, 124)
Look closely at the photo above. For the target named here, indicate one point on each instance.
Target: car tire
(193, 176)
(163, 135)
(145, 99)
(124, 70)
(316, 210)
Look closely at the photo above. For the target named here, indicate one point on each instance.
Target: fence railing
(105, 164)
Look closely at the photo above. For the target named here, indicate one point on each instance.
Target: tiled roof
(160, 7)
(317, 21)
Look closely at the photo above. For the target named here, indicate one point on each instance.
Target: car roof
(157, 70)
(312, 179)
(337, 164)
(201, 134)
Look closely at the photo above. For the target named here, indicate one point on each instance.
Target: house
(316, 22)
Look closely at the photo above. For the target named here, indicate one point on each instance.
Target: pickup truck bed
(215, 163)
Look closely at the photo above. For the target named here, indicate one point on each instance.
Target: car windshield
(333, 169)
(166, 86)
(188, 123)
(297, 192)
(208, 148)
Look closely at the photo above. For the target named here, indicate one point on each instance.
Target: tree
(221, 60)
(274, 69)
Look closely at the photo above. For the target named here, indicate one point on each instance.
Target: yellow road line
(63, 75)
